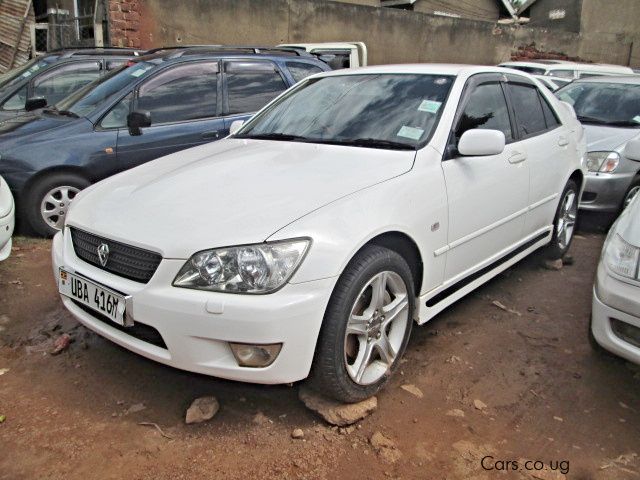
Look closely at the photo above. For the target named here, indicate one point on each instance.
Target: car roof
(174, 52)
(623, 79)
(564, 64)
(458, 70)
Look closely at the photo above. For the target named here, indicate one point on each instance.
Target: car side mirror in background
(137, 120)
(235, 126)
(35, 103)
(479, 142)
(632, 149)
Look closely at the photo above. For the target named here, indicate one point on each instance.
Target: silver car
(609, 109)
(615, 318)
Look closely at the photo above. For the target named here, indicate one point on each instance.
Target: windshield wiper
(66, 113)
(373, 143)
(623, 123)
(586, 119)
(285, 137)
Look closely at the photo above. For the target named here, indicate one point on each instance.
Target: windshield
(16, 75)
(91, 96)
(369, 110)
(615, 104)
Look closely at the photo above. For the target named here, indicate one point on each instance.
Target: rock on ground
(553, 264)
(386, 448)
(413, 390)
(336, 413)
(297, 433)
(202, 409)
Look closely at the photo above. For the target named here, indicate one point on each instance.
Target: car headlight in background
(621, 257)
(257, 269)
(603, 162)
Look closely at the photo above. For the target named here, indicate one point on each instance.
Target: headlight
(260, 268)
(621, 257)
(604, 162)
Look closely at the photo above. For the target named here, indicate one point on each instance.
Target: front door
(185, 112)
(487, 195)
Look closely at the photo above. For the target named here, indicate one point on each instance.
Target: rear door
(248, 86)
(548, 146)
(185, 112)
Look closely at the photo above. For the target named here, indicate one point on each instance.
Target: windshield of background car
(377, 110)
(615, 104)
(15, 76)
(531, 70)
(87, 99)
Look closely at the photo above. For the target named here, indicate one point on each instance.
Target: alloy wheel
(376, 328)
(567, 219)
(55, 205)
(630, 196)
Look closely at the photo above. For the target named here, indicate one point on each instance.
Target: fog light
(255, 356)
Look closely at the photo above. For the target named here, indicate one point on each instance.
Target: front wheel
(634, 189)
(366, 326)
(564, 223)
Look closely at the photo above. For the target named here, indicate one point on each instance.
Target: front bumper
(604, 192)
(7, 224)
(615, 301)
(196, 326)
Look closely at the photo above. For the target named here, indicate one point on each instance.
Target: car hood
(605, 139)
(227, 193)
(23, 126)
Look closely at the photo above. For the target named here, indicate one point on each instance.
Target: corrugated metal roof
(11, 26)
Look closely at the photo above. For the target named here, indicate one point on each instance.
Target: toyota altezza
(308, 242)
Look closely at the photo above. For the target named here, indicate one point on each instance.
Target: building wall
(477, 9)
(392, 35)
(541, 14)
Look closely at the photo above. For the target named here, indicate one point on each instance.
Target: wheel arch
(54, 170)
(578, 177)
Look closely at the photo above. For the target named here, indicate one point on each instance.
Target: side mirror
(137, 120)
(235, 126)
(632, 149)
(35, 103)
(480, 143)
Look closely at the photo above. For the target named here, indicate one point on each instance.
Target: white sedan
(7, 219)
(615, 320)
(308, 242)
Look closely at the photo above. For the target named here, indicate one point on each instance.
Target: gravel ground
(478, 382)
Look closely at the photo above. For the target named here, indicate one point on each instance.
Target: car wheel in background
(634, 189)
(47, 201)
(564, 223)
(366, 326)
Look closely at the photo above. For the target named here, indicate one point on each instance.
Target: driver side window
(486, 108)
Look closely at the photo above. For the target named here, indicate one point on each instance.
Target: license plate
(94, 296)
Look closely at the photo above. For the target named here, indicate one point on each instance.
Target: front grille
(138, 330)
(123, 260)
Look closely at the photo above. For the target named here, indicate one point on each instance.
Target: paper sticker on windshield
(137, 73)
(636, 119)
(410, 132)
(429, 106)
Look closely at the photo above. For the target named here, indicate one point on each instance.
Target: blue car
(160, 103)
(52, 77)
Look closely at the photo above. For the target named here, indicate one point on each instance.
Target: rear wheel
(47, 201)
(366, 326)
(565, 222)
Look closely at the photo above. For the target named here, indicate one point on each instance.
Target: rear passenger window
(185, 92)
(251, 85)
(549, 115)
(529, 115)
(300, 71)
(487, 109)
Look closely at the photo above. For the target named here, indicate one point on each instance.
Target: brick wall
(124, 23)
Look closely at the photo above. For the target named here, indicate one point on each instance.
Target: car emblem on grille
(103, 254)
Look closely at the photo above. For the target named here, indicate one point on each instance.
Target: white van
(565, 69)
(336, 54)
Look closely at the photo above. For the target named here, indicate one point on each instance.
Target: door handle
(211, 135)
(563, 142)
(517, 157)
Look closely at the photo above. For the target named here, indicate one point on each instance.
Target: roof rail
(244, 49)
(72, 52)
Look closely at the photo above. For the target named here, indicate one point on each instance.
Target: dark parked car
(160, 103)
(52, 77)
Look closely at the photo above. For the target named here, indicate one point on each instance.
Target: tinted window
(185, 92)
(549, 115)
(561, 73)
(300, 71)
(61, 82)
(17, 100)
(335, 59)
(529, 115)
(531, 70)
(251, 86)
(117, 117)
(486, 108)
(383, 110)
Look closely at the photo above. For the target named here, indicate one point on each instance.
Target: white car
(308, 242)
(568, 70)
(7, 219)
(615, 319)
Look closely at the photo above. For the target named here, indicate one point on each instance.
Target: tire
(59, 187)
(336, 371)
(564, 223)
(630, 194)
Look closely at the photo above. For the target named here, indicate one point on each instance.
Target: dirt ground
(499, 385)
